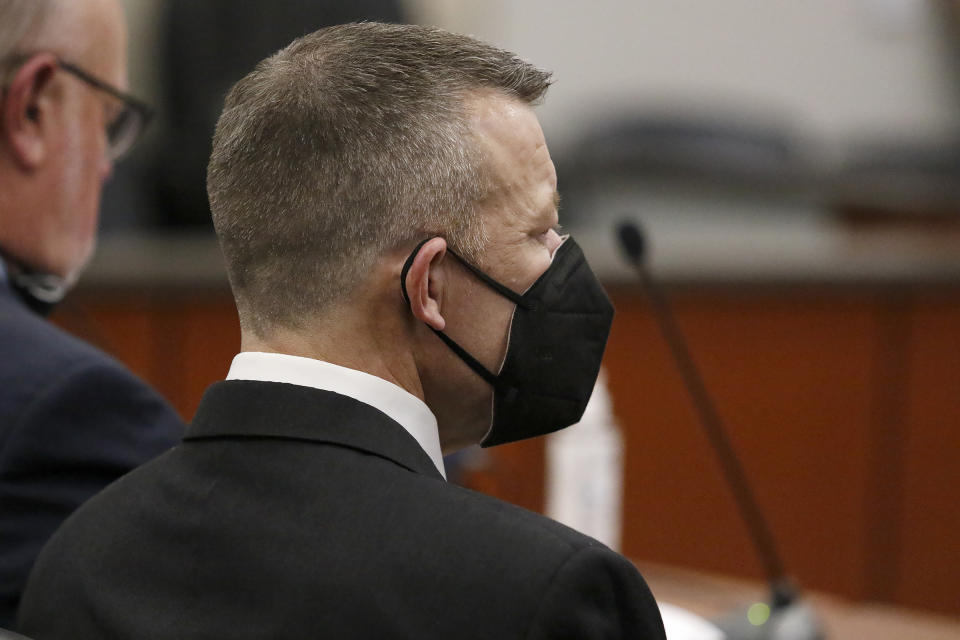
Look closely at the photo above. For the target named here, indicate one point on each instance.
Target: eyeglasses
(126, 127)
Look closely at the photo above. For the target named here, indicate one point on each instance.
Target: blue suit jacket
(71, 421)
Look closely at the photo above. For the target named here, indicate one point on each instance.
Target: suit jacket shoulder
(42, 366)
(288, 512)
(533, 577)
(72, 420)
(33, 352)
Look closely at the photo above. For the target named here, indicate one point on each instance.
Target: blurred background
(796, 166)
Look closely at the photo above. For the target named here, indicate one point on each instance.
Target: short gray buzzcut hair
(20, 21)
(350, 142)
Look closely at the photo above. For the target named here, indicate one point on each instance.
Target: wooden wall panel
(929, 558)
(180, 343)
(121, 326)
(199, 337)
(884, 448)
(792, 377)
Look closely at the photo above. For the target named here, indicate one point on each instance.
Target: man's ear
(26, 111)
(425, 283)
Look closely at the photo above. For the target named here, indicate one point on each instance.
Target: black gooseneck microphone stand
(788, 618)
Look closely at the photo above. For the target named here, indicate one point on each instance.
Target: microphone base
(793, 621)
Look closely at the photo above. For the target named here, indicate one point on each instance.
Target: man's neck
(378, 352)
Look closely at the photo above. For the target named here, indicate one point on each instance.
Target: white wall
(142, 17)
(840, 69)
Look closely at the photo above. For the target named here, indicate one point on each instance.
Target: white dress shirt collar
(403, 407)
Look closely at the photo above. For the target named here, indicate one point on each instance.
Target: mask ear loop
(503, 290)
(406, 269)
(463, 354)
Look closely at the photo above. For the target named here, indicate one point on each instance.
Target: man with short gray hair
(387, 208)
(71, 419)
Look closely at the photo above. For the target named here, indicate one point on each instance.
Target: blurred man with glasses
(71, 419)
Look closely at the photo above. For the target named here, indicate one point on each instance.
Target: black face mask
(557, 337)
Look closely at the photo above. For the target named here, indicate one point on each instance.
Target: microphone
(784, 617)
(633, 243)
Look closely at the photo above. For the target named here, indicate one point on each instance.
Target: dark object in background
(707, 148)
(706, 155)
(206, 47)
(901, 184)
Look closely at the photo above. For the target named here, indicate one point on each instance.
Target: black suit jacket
(289, 512)
(71, 421)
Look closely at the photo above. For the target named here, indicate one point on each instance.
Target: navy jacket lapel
(247, 409)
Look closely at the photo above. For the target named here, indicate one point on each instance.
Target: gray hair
(351, 142)
(20, 22)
